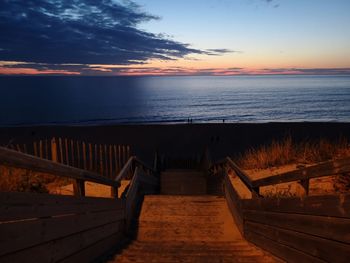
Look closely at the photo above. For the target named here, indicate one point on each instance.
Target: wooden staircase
(188, 228)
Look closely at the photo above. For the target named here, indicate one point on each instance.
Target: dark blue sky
(174, 37)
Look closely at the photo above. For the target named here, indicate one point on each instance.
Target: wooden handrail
(302, 175)
(318, 170)
(26, 161)
(132, 160)
(144, 165)
(242, 175)
(123, 172)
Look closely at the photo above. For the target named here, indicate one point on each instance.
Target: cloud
(24, 68)
(307, 71)
(219, 51)
(275, 5)
(83, 32)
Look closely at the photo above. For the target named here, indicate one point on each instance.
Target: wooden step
(183, 182)
(189, 229)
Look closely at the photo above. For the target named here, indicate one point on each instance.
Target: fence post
(67, 150)
(90, 157)
(61, 150)
(53, 150)
(101, 160)
(46, 150)
(84, 156)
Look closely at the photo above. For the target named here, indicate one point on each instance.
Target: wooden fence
(305, 229)
(105, 159)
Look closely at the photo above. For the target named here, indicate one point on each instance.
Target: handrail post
(79, 187)
(305, 184)
(114, 191)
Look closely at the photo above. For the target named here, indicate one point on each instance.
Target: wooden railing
(26, 161)
(129, 171)
(68, 228)
(105, 159)
(80, 176)
(301, 176)
(305, 229)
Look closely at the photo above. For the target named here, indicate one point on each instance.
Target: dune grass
(286, 151)
(13, 179)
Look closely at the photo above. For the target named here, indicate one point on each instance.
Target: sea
(87, 100)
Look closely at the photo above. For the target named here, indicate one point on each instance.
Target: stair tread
(188, 228)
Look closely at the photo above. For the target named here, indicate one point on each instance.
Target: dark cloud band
(65, 31)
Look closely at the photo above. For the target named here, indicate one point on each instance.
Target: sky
(182, 37)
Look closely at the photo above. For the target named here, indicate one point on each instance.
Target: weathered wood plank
(23, 234)
(327, 168)
(327, 227)
(14, 158)
(24, 199)
(234, 203)
(132, 197)
(15, 206)
(325, 249)
(64, 248)
(287, 253)
(94, 252)
(325, 205)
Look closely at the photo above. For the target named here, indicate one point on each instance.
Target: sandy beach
(181, 140)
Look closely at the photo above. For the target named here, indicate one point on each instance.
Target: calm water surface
(100, 100)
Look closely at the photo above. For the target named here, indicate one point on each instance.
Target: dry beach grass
(285, 155)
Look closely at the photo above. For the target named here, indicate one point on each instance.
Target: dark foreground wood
(53, 228)
(49, 228)
(307, 229)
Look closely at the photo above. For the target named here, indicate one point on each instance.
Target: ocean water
(109, 100)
